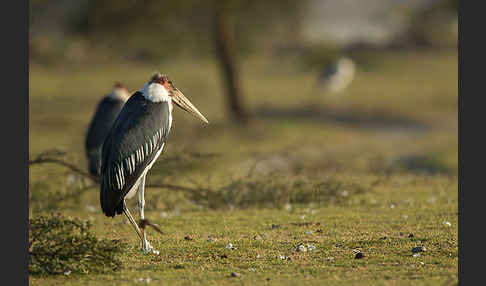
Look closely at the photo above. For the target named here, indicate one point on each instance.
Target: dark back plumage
(106, 113)
(138, 133)
(328, 71)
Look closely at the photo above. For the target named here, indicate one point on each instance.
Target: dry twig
(49, 157)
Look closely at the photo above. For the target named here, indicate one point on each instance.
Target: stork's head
(120, 92)
(346, 64)
(165, 88)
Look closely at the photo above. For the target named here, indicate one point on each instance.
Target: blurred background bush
(71, 30)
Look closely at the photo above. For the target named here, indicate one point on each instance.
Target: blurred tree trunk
(225, 48)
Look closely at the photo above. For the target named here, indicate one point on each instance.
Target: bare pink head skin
(162, 80)
(155, 76)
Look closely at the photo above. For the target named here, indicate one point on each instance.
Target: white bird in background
(337, 76)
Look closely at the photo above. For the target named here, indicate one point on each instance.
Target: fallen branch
(65, 164)
(43, 159)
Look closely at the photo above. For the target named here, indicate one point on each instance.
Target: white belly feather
(134, 188)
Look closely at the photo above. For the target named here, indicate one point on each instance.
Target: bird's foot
(151, 250)
(147, 248)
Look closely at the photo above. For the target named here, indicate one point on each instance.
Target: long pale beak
(186, 105)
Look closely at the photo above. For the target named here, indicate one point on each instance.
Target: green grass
(361, 171)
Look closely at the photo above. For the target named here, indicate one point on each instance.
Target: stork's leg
(146, 247)
(132, 221)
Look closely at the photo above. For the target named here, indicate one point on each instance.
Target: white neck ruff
(155, 92)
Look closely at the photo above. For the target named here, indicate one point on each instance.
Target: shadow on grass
(424, 164)
(352, 118)
(433, 163)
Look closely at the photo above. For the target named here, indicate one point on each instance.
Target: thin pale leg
(146, 247)
(132, 221)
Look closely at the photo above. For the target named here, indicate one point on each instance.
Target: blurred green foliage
(107, 31)
(432, 26)
(161, 28)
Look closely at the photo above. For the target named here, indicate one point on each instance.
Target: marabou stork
(337, 76)
(134, 143)
(105, 114)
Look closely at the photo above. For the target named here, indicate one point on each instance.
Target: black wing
(328, 71)
(138, 133)
(106, 113)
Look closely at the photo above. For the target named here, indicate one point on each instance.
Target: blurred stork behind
(106, 112)
(337, 76)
